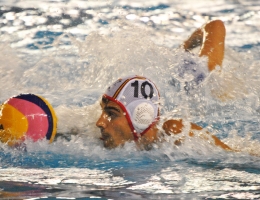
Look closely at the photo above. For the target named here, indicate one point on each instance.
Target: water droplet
(109, 119)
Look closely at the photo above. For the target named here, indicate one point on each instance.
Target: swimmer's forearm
(194, 40)
(213, 45)
(211, 38)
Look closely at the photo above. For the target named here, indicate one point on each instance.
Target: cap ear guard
(142, 113)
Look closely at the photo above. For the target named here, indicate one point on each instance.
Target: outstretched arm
(211, 38)
(176, 127)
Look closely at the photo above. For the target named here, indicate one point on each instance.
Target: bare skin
(211, 38)
(115, 130)
(176, 127)
(113, 125)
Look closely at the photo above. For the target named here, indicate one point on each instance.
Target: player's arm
(176, 127)
(211, 38)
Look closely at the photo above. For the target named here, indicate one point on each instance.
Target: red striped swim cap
(139, 98)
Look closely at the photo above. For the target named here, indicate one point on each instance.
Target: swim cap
(139, 98)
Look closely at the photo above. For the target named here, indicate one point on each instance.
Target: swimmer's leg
(211, 38)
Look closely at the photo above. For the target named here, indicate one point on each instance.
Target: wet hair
(105, 100)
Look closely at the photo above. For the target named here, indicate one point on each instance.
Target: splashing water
(69, 52)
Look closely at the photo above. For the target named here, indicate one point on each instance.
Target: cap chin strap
(136, 135)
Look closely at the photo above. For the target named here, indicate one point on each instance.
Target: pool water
(70, 51)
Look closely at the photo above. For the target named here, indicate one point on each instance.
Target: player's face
(115, 130)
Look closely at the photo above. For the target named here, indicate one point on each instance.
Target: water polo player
(130, 112)
(130, 108)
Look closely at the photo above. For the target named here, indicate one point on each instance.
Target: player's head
(135, 102)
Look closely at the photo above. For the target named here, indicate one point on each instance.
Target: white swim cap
(139, 98)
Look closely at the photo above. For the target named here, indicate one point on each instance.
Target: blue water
(70, 51)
